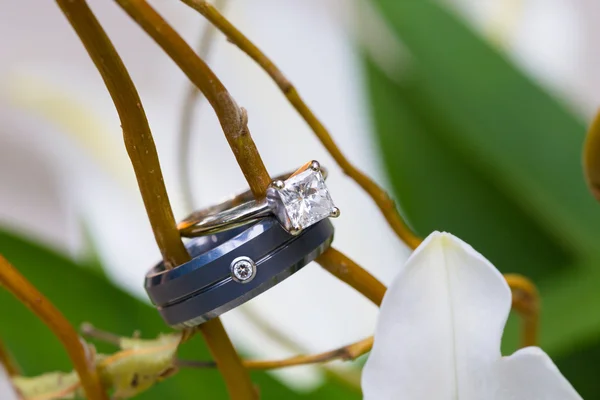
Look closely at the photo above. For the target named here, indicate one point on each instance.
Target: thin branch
(235, 374)
(346, 353)
(233, 119)
(7, 361)
(379, 196)
(591, 157)
(194, 364)
(268, 328)
(136, 132)
(142, 151)
(526, 302)
(353, 274)
(90, 331)
(79, 354)
(192, 102)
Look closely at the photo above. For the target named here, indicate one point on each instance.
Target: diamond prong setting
(294, 230)
(301, 200)
(278, 184)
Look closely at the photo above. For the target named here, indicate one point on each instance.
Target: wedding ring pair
(244, 246)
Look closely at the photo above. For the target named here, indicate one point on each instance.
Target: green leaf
(439, 189)
(499, 121)
(84, 295)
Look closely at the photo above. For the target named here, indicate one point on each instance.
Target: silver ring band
(243, 208)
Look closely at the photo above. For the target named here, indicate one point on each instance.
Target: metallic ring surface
(187, 224)
(205, 287)
(297, 200)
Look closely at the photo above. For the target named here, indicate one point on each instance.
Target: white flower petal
(7, 391)
(440, 325)
(529, 374)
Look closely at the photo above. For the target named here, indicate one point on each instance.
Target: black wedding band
(231, 267)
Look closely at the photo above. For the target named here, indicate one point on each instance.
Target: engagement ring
(298, 200)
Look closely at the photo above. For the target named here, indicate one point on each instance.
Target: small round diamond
(243, 269)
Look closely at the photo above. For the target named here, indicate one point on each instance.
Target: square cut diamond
(305, 199)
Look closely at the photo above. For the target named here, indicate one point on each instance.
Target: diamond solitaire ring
(298, 201)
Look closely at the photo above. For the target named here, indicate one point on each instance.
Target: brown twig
(526, 302)
(235, 374)
(591, 157)
(136, 132)
(233, 119)
(7, 361)
(79, 354)
(90, 331)
(268, 327)
(379, 196)
(346, 353)
(194, 364)
(346, 270)
(142, 151)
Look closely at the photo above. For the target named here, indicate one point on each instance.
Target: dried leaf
(49, 386)
(139, 365)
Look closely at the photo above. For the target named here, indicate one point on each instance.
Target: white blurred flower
(7, 391)
(553, 40)
(439, 331)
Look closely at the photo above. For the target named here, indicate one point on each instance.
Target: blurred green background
(470, 145)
